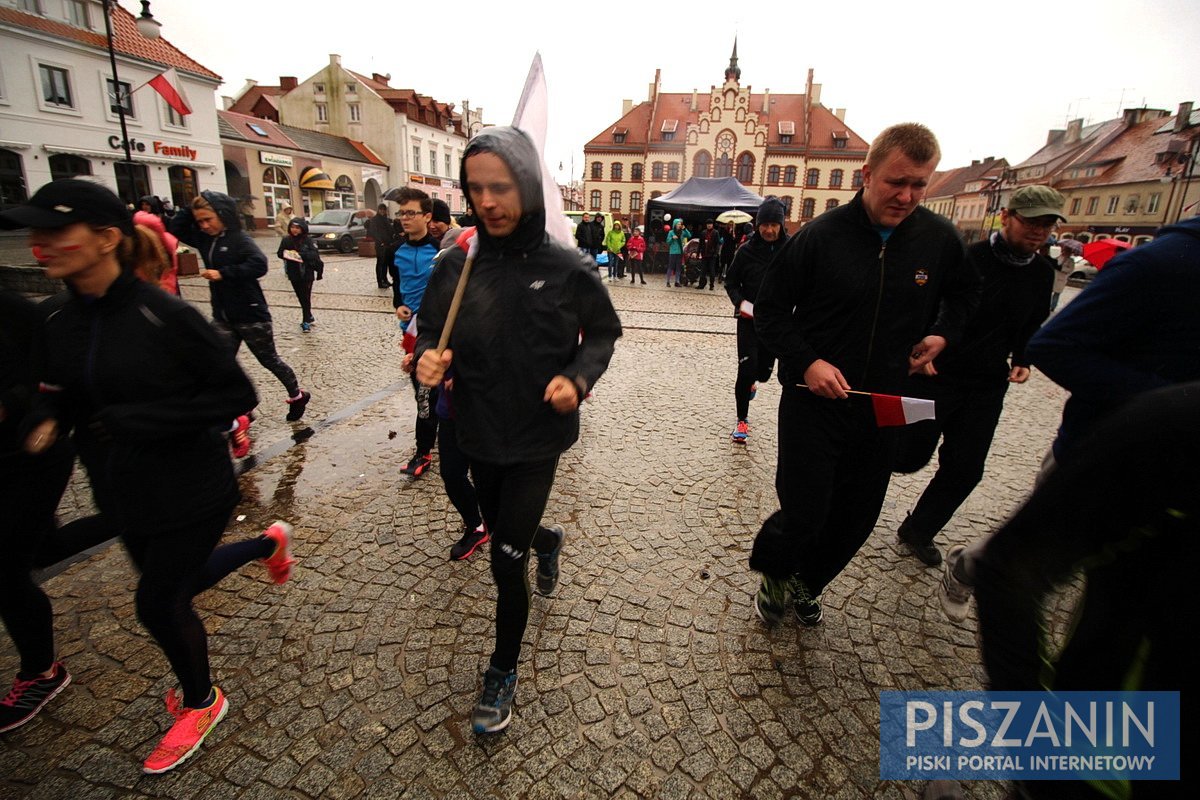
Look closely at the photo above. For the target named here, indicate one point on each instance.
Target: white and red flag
(169, 86)
(531, 117)
(893, 410)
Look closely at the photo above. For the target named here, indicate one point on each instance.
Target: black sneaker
(297, 406)
(472, 539)
(493, 712)
(417, 465)
(26, 698)
(547, 568)
(807, 608)
(928, 552)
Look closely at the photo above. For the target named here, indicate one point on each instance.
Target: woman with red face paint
(146, 386)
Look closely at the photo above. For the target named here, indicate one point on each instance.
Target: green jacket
(615, 240)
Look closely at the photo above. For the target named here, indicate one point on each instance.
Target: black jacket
(237, 297)
(18, 326)
(745, 276)
(381, 230)
(527, 305)
(310, 266)
(148, 387)
(837, 292)
(1014, 302)
(589, 235)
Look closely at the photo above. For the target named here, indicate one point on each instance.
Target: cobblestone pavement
(646, 675)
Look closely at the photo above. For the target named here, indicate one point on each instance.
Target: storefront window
(133, 181)
(184, 186)
(277, 192)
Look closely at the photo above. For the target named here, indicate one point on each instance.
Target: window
(619, 138)
(30, 6)
(635, 201)
(433, 161)
(726, 142)
(702, 164)
(56, 86)
(342, 194)
(12, 180)
(184, 186)
(1075, 204)
(785, 138)
(1152, 203)
(449, 174)
(669, 136)
(355, 112)
(174, 119)
(856, 179)
(319, 88)
(835, 176)
(723, 167)
(614, 201)
(807, 209)
(745, 168)
(773, 173)
(789, 176)
(133, 181)
(1131, 205)
(839, 144)
(618, 171)
(635, 172)
(594, 200)
(673, 171)
(597, 171)
(322, 112)
(352, 88)
(787, 207)
(812, 177)
(1113, 202)
(119, 95)
(257, 129)
(656, 171)
(416, 165)
(64, 165)
(1093, 205)
(831, 203)
(77, 13)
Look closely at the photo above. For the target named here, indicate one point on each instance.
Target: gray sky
(988, 79)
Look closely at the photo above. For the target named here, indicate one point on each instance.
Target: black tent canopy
(710, 196)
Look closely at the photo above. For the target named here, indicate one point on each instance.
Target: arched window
(812, 177)
(614, 201)
(856, 179)
(594, 200)
(702, 165)
(65, 165)
(673, 171)
(635, 201)
(635, 172)
(773, 172)
(723, 167)
(617, 171)
(835, 178)
(745, 168)
(277, 191)
(656, 171)
(342, 195)
(789, 176)
(597, 171)
(184, 186)
(831, 203)
(787, 207)
(808, 208)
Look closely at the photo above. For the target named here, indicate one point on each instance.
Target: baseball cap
(65, 202)
(1037, 201)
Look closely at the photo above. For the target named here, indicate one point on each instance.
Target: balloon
(666, 217)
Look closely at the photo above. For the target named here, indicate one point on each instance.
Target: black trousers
(260, 338)
(383, 258)
(755, 363)
(709, 269)
(456, 477)
(426, 426)
(512, 499)
(832, 476)
(967, 415)
(303, 290)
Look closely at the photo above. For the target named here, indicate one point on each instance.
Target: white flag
(531, 117)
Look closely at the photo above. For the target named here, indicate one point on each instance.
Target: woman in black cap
(147, 386)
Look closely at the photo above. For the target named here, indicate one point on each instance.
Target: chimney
(287, 83)
(335, 60)
(816, 93)
(1184, 118)
(1054, 136)
(767, 102)
(840, 113)
(694, 105)
(375, 76)
(653, 95)
(974, 162)
(226, 102)
(1074, 131)
(1132, 116)
(626, 107)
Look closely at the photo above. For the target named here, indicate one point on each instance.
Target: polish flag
(531, 117)
(171, 89)
(891, 410)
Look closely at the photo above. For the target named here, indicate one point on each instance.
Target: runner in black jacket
(535, 332)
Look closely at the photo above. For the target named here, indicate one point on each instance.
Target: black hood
(301, 223)
(226, 209)
(156, 205)
(516, 149)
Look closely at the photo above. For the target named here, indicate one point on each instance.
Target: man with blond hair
(862, 296)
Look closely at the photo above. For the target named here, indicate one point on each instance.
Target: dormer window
(840, 138)
(619, 134)
(787, 129)
(669, 126)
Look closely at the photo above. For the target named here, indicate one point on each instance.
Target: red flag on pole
(168, 85)
(892, 410)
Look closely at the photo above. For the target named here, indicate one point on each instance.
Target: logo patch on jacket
(537, 285)
(920, 277)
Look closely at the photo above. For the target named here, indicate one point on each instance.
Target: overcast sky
(989, 79)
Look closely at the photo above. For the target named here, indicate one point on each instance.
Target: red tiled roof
(954, 181)
(1131, 156)
(241, 124)
(126, 39)
(367, 153)
(248, 103)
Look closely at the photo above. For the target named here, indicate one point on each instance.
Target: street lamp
(148, 27)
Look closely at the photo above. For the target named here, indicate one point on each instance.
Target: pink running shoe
(280, 562)
(239, 437)
(192, 726)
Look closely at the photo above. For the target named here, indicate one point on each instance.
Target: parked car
(1083, 271)
(337, 229)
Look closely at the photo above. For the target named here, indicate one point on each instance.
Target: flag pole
(455, 303)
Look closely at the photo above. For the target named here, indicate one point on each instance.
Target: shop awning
(313, 178)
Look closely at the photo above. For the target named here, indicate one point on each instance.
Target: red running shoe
(239, 437)
(280, 562)
(192, 726)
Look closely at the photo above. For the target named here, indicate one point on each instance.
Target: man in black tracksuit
(742, 284)
(859, 298)
(969, 380)
(536, 330)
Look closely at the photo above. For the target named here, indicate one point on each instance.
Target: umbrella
(1099, 252)
(391, 194)
(364, 213)
(736, 217)
(1071, 246)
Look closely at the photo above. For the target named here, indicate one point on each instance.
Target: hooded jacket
(533, 309)
(745, 276)
(310, 265)
(168, 280)
(838, 292)
(1134, 328)
(237, 297)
